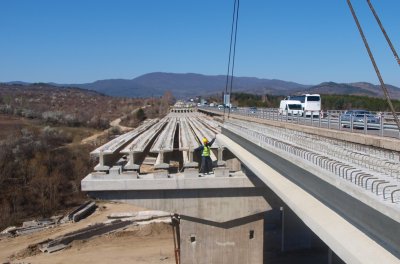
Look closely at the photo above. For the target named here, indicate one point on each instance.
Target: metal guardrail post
(365, 124)
(351, 123)
(319, 120)
(312, 119)
(329, 120)
(381, 125)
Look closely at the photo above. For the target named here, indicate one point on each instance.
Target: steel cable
(384, 32)
(234, 21)
(374, 64)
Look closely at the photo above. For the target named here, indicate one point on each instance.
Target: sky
(309, 42)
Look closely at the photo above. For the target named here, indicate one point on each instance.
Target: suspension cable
(233, 57)
(384, 32)
(234, 18)
(385, 91)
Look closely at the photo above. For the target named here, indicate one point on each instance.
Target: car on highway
(234, 109)
(357, 118)
(253, 110)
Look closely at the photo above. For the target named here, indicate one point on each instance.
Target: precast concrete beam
(131, 165)
(160, 162)
(220, 161)
(187, 140)
(165, 141)
(117, 143)
(201, 131)
(140, 143)
(188, 160)
(101, 166)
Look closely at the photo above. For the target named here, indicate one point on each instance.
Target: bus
(311, 103)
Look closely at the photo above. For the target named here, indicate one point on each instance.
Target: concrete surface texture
(351, 244)
(369, 174)
(203, 243)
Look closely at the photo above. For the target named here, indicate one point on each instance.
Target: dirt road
(114, 123)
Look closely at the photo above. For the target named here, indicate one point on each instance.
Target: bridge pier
(222, 218)
(236, 241)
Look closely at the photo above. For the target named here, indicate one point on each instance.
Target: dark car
(253, 110)
(357, 117)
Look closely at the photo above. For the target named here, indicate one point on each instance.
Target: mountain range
(192, 84)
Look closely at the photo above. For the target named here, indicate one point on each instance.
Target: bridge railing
(375, 171)
(382, 125)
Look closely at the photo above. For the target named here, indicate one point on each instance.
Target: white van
(291, 108)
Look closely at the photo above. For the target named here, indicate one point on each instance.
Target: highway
(330, 120)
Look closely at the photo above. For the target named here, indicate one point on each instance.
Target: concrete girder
(116, 144)
(165, 140)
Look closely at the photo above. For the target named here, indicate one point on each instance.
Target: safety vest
(206, 151)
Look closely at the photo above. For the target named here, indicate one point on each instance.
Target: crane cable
(384, 32)
(233, 57)
(385, 91)
(234, 18)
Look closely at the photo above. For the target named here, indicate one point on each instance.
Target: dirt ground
(141, 244)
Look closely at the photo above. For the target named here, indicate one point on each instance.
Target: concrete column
(204, 242)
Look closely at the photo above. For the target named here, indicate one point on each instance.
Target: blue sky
(302, 41)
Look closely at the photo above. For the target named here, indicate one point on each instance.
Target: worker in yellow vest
(206, 162)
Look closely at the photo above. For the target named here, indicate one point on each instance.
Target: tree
(166, 101)
(140, 115)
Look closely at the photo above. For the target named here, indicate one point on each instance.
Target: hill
(358, 88)
(186, 85)
(63, 105)
(191, 84)
(183, 85)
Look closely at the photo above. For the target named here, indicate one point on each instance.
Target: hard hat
(205, 140)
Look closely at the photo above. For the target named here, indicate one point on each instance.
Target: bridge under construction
(314, 187)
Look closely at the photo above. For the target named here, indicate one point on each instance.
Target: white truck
(291, 108)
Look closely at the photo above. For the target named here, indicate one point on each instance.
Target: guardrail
(330, 119)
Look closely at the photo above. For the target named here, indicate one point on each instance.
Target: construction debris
(85, 233)
(29, 227)
(81, 212)
(140, 216)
